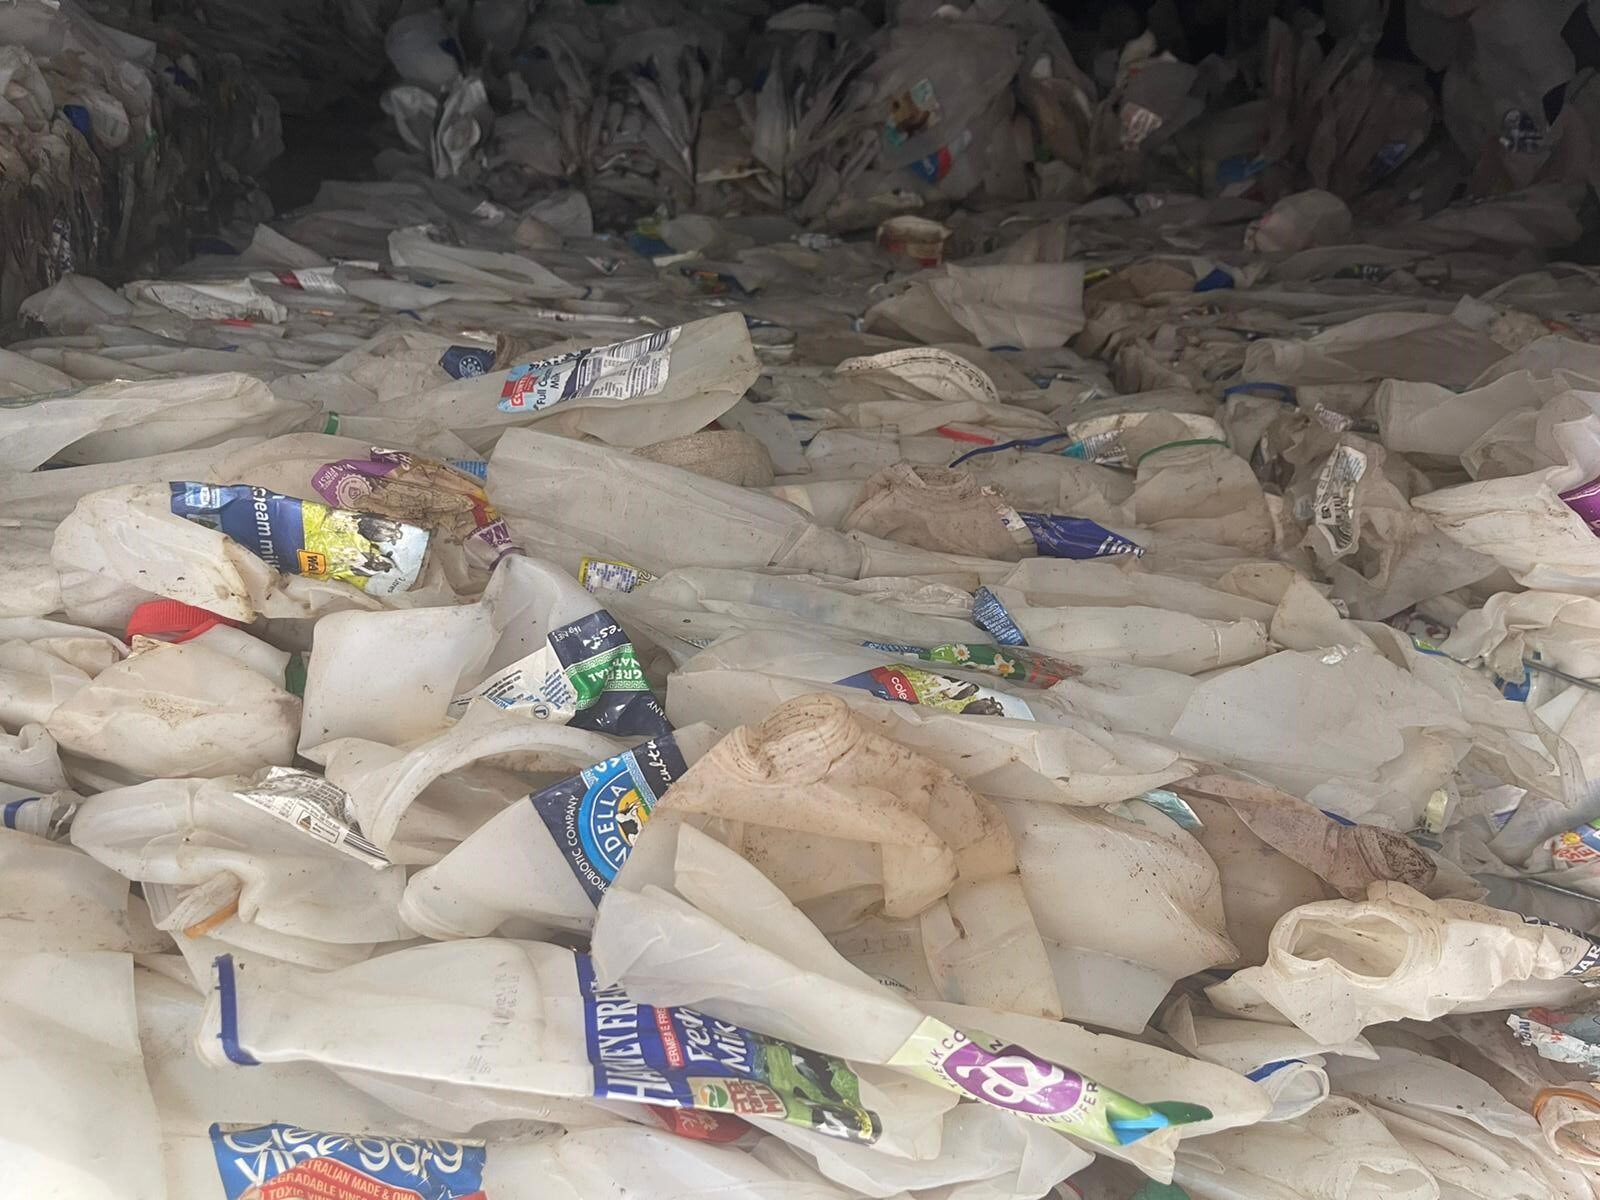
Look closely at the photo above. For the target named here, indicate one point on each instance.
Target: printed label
(1587, 968)
(1076, 537)
(932, 168)
(637, 367)
(301, 537)
(912, 685)
(1104, 447)
(698, 1125)
(1334, 509)
(1556, 1044)
(596, 816)
(284, 1162)
(1577, 846)
(467, 362)
(713, 283)
(1585, 501)
(311, 279)
(609, 575)
(1330, 419)
(314, 806)
(1138, 123)
(911, 112)
(1008, 1077)
(989, 615)
(1014, 663)
(421, 491)
(680, 1058)
(586, 674)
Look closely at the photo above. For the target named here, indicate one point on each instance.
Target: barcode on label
(1334, 509)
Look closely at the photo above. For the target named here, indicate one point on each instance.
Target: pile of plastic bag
(113, 151)
(486, 709)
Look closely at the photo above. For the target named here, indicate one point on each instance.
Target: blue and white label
(680, 1058)
(1076, 537)
(467, 362)
(596, 816)
(989, 615)
(285, 1162)
(622, 371)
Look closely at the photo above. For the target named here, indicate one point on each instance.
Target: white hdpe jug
(572, 500)
(537, 645)
(542, 863)
(983, 1152)
(73, 903)
(1140, 635)
(1053, 754)
(76, 1051)
(113, 422)
(417, 801)
(1335, 967)
(1285, 1062)
(695, 605)
(663, 384)
(1435, 1109)
(249, 852)
(298, 1126)
(1339, 1150)
(30, 760)
(1126, 906)
(532, 1018)
(125, 545)
(214, 705)
(870, 815)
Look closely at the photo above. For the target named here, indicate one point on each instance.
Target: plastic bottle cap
(166, 618)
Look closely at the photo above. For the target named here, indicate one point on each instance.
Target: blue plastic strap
(228, 999)
(1281, 390)
(1271, 1068)
(1018, 444)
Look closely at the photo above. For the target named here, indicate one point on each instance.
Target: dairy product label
(1334, 509)
(317, 808)
(610, 575)
(622, 371)
(586, 674)
(1076, 537)
(991, 616)
(375, 553)
(680, 1058)
(997, 1073)
(596, 815)
(913, 685)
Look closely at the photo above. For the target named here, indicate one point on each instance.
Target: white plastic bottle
(543, 863)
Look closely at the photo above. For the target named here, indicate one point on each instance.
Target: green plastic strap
(1175, 445)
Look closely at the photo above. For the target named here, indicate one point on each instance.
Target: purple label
(1585, 501)
(1012, 1078)
(344, 484)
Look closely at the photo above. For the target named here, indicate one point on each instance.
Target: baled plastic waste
(883, 676)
